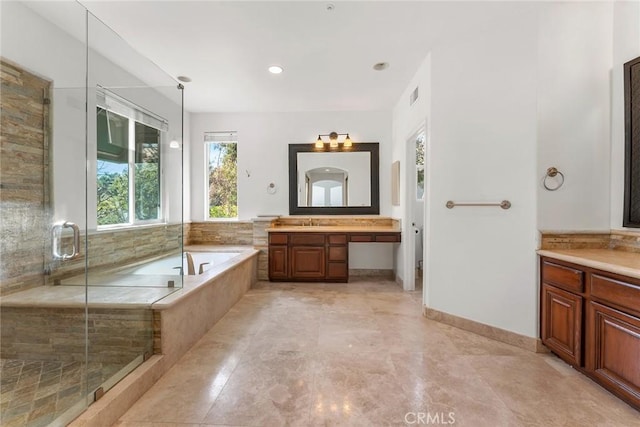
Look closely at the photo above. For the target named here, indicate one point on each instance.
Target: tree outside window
(222, 160)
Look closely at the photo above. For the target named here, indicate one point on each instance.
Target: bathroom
(502, 153)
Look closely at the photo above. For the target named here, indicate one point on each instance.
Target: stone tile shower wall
(24, 182)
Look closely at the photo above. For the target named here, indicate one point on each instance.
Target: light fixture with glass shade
(334, 143)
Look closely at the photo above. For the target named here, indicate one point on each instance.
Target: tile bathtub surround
(221, 233)
(316, 354)
(116, 336)
(179, 323)
(115, 248)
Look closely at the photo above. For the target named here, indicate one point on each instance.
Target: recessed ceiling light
(184, 79)
(381, 66)
(275, 69)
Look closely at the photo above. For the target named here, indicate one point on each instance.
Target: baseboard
(521, 341)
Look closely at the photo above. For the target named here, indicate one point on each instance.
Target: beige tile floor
(361, 354)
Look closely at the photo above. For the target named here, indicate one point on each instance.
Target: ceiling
(327, 55)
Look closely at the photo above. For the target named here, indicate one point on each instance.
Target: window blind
(112, 102)
(226, 136)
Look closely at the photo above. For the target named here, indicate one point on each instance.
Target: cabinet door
(562, 323)
(613, 346)
(278, 265)
(307, 262)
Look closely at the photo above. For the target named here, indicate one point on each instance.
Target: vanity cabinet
(591, 319)
(613, 334)
(316, 256)
(308, 257)
(562, 306)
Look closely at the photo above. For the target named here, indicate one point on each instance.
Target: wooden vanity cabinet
(613, 335)
(561, 311)
(591, 319)
(308, 257)
(317, 256)
(278, 256)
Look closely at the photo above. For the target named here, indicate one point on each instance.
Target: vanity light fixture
(333, 141)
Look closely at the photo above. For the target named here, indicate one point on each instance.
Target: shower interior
(75, 200)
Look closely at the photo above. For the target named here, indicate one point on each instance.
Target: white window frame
(217, 137)
(111, 102)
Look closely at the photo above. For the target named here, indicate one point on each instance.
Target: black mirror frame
(374, 209)
(631, 148)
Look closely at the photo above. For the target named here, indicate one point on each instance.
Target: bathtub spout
(179, 270)
(191, 270)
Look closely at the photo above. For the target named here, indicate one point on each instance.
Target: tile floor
(361, 354)
(34, 393)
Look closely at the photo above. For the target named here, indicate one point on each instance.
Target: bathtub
(174, 264)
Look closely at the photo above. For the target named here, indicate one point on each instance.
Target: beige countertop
(613, 261)
(333, 229)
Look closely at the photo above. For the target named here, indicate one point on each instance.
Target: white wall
(626, 46)
(507, 101)
(574, 61)
(263, 140)
(407, 119)
(481, 262)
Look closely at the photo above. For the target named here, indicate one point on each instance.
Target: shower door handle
(56, 233)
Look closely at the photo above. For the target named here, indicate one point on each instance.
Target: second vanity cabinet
(591, 319)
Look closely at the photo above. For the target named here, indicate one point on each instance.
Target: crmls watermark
(430, 418)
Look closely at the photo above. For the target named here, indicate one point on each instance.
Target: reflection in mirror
(334, 182)
(325, 187)
(334, 179)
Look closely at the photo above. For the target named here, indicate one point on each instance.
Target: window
(420, 166)
(128, 163)
(222, 174)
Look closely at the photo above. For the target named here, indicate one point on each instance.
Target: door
(614, 349)
(562, 323)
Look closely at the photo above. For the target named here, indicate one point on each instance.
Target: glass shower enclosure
(91, 197)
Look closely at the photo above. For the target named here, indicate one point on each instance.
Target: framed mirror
(632, 144)
(334, 182)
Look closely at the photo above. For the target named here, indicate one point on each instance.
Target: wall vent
(413, 97)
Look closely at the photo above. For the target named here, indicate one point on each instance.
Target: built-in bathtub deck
(131, 291)
(175, 317)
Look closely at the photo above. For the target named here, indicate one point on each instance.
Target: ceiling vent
(414, 96)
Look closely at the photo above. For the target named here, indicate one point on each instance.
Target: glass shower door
(43, 350)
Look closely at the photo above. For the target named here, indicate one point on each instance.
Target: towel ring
(551, 173)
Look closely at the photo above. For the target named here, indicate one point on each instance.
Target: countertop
(613, 261)
(333, 229)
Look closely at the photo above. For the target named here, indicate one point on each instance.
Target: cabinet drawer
(306, 239)
(277, 238)
(387, 238)
(563, 277)
(338, 270)
(337, 239)
(337, 253)
(621, 293)
(361, 238)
